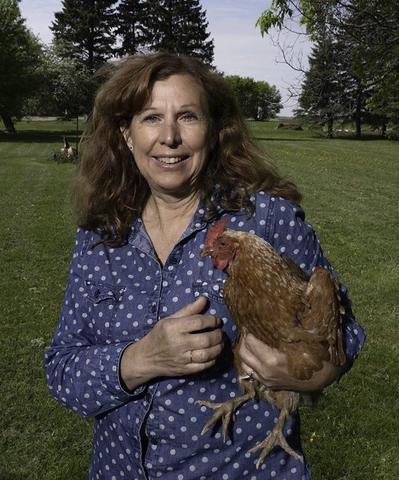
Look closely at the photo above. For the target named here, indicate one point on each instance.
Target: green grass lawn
(350, 192)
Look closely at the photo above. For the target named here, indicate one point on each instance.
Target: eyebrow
(189, 105)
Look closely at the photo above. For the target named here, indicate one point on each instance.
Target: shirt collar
(138, 235)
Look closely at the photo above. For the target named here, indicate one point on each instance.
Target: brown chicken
(272, 298)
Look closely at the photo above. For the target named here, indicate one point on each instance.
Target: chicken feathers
(272, 298)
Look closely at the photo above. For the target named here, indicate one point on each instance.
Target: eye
(189, 116)
(151, 118)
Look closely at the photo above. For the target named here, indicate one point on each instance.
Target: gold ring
(248, 376)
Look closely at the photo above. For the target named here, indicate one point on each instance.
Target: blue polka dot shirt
(114, 297)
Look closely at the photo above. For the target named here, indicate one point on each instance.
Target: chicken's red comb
(216, 230)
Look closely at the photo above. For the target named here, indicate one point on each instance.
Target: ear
(126, 136)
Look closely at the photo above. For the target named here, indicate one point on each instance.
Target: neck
(164, 209)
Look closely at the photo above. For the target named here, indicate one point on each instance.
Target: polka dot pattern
(113, 298)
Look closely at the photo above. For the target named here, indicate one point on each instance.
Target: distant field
(350, 192)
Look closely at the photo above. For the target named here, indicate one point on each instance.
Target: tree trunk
(8, 123)
(330, 125)
(90, 40)
(384, 130)
(358, 123)
(358, 114)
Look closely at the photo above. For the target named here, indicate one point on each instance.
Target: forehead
(177, 90)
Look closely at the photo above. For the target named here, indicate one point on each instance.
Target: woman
(144, 331)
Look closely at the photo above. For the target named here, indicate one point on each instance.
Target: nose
(170, 133)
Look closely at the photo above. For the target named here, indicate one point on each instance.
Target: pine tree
(366, 32)
(134, 26)
(320, 100)
(180, 26)
(84, 28)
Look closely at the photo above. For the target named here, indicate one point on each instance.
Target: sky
(239, 48)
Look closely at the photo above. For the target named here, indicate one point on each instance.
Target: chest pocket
(213, 289)
(103, 301)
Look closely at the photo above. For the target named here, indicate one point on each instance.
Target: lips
(165, 160)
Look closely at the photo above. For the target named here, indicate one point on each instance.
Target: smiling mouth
(171, 160)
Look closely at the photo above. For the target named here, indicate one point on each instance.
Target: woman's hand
(176, 346)
(270, 367)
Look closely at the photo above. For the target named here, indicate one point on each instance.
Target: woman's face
(170, 137)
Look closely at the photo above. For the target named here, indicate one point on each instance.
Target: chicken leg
(287, 402)
(224, 411)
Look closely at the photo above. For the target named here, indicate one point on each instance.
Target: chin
(171, 185)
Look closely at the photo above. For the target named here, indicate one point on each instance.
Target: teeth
(170, 160)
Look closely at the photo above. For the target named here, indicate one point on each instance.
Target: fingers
(192, 308)
(190, 319)
(248, 373)
(205, 340)
(199, 367)
(205, 355)
(257, 347)
(258, 352)
(263, 363)
(192, 324)
(198, 323)
(247, 357)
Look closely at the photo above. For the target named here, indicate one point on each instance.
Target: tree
(64, 88)
(244, 89)
(134, 26)
(268, 101)
(368, 34)
(257, 100)
(84, 30)
(320, 99)
(180, 26)
(20, 54)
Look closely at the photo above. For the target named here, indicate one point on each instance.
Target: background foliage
(257, 100)
(57, 80)
(19, 60)
(354, 66)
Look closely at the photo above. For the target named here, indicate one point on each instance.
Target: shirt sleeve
(82, 375)
(286, 230)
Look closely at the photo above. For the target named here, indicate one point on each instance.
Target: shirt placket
(158, 298)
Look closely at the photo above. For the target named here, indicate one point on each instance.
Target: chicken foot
(275, 438)
(223, 411)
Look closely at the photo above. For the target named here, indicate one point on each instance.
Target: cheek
(142, 138)
(197, 139)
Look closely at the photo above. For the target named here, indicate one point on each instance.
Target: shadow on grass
(313, 137)
(39, 136)
(280, 139)
(365, 138)
(347, 136)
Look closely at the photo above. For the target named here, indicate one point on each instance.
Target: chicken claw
(275, 438)
(223, 411)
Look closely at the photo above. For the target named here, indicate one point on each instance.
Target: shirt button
(153, 308)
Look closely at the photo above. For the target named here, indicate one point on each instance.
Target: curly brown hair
(110, 192)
